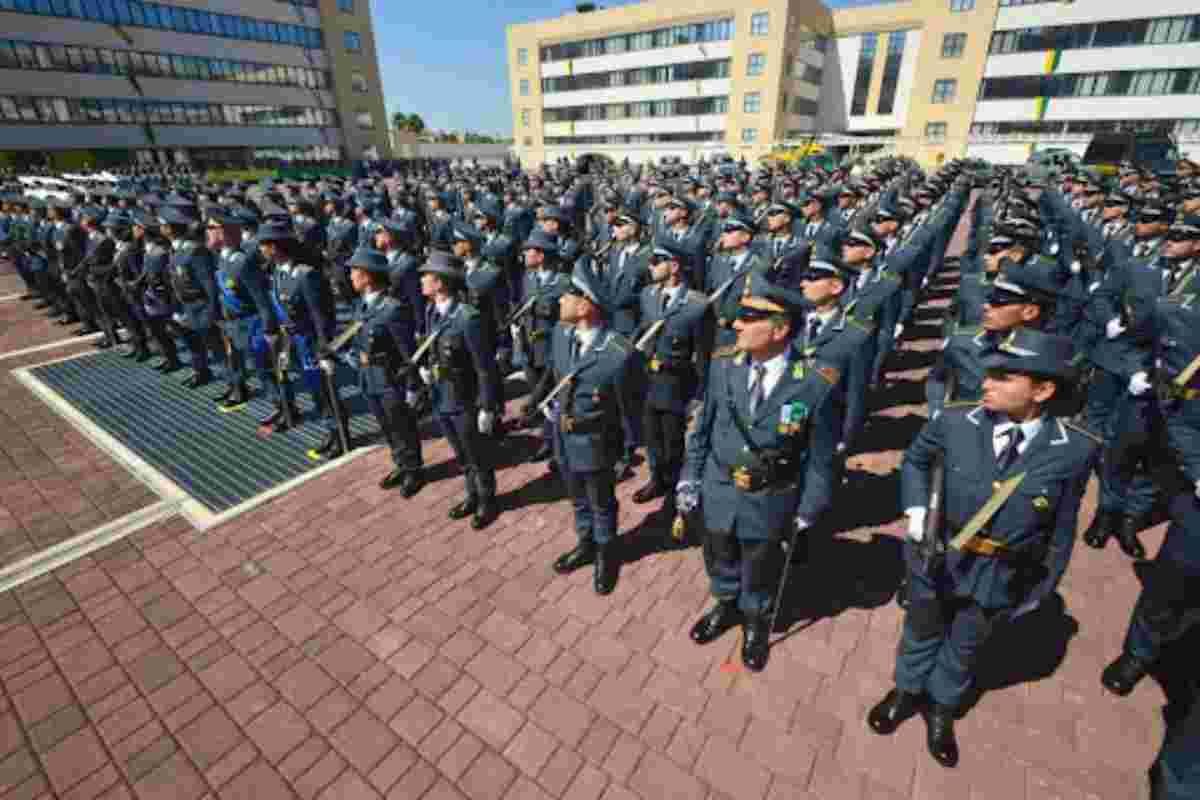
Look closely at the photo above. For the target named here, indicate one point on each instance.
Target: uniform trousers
(593, 494)
(1178, 773)
(743, 570)
(664, 432)
(462, 431)
(399, 425)
(1125, 422)
(942, 637)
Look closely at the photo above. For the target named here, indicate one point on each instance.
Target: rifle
(341, 423)
(931, 547)
(515, 316)
(280, 355)
(657, 326)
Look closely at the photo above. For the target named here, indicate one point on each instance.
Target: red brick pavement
(341, 642)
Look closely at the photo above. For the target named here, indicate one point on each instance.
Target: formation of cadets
(731, 325)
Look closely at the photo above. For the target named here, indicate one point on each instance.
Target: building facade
(931, 79)
(95, 82)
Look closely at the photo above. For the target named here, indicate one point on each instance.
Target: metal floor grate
(214, 457)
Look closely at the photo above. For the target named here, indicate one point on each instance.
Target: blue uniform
(193, 279)
(592, 412)
(951, 612)
(758, 472)
(304, 307)
(382, 351)
(246, 308)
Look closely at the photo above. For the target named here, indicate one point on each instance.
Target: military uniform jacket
(1129, 292)
(488, 294)
(464, 365)
(193, 278)
(694, 243)
(405, 284)
(539, 323)
(303, 302)
(69, 243)
(960, 366)
(599, 404)
(842, 343)
(127, 268)
(98, 258)
(245, 291)
(1177, 344)
(676, 356)
(624, 284)
(784, 430)
(824, 235)
(384, 344)
(342, 237)
(158, 298)
(1036, 525)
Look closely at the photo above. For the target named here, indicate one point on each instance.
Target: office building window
(525, 117)
(523, 57)
(760, 23)
(935, 132)
(891, 72)
(944, 90)
(752, 103)
(804, 106)
(353, 41)
(756, 63)
(100, 61)
(958, 6)
(358, 82)
(524, 87)
(862, 77)
(953, 45)
(749, 135)
(719, 30)
(364, 120)
(1093, 84)
(346, 5)
(1125, 33)
(172, 18)
(639, 76)
(91, 111)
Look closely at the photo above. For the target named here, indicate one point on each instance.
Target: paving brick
(301, 759)
(329, 712)
(589, 784)
(363, 740)
(458, 695)
(18, 768)
(228, 676)
(173, 779)
(361, 620)
(393, 767)
(209, 736)
(258, 782)
(488, 778)
(496, 670)
(42, 699)
(232, 764)
(304, 684)
(531, 749)
(416, 720)
(455, 762)
(301, 623)
(729, 771)
(623, 758)
(411, 657)
(562, 716)
(74, 759)
(56, 727)
(93, 785)
(277, 731)
(440, 739)
(390, 697)
(492, 719)
(657, 776)
(415, 782)
(320, 775)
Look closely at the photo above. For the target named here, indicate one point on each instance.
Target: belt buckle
(438, 373)
(743, 479)
(655, 365)
(567, 423)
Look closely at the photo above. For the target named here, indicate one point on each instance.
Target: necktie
(576, 348)
(814, 325)
(666, 299)
(1009, 453)
(757, 381)
(812, 229)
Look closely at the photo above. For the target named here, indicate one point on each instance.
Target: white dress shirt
(774, 371)
(1000, 432)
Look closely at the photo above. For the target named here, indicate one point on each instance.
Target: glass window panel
(8, 109)
(8, 56)
(46, 110)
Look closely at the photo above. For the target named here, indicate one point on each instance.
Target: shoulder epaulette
(1083, 431)
(961, 404)
(619, 343)
(863, 325)
(729, 351)
(966, 330)
(696, 297)
(469, 311)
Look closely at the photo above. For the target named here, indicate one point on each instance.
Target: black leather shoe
(1102, 528)
(902, 593)
(104, 344)
(87, 330)
(649, 492)
(543, 452)
(939, 735)
(720, 618)
(608, 569)
(393, 478)
(225, 395)
(235, 399)
(893, 709)
(328, 443)
(464, 509)
(197, 380)
(581, 556)
(40, 305)
(65, 321)
(1122, 675)
(484, 515)
(756, 642)
(622, 470)
(168, 367)
(1127, 537)
(141, 356)
(412, 483)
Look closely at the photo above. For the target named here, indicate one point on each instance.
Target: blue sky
(446, 60)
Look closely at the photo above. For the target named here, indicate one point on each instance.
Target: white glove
(179, 318)
(899, 330)
(800, 525)
(515, 330)
(487, 420)
(1198, 490)
(840, 449)
(687, 496)
(550, 412)
(1139, 384)
(1095, 285)
(916, 523)
(1114, 328)
(411, 398)
(326, 365)
(1076, 267)
(426, 375)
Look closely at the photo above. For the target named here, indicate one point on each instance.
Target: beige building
(931, 79)
(197, 80)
